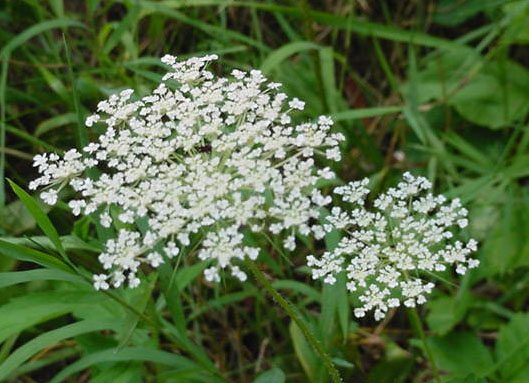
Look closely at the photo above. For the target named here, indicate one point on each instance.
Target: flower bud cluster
(390, 248)
(200, 159)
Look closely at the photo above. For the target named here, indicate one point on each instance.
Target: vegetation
(437, 88)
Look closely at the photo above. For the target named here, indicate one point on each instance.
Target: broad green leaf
(504, 245)
(446, 312)
(49, 338)
(461, 353)
(468, 379)
(512, 350)
(479, 90)
(491, 101)
(275, 375)
(517, 32)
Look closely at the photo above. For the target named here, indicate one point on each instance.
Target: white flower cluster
(388, 249)
(200, 159)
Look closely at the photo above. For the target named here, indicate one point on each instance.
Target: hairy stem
(417, 324)
(291, 312)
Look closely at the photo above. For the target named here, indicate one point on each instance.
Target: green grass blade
(3, 84)
(172, 293)
(80, 131)
(139, 302)
(275, 58)
(41, 218)
(298, 287)
(123, 27)
(58, 7)
(348, 23)
(30, 255)
(5, 54)
(52, 358)
(15, 277)
(351, 24)
(28, 310)
(150, 7)
(31, 139)
(52, 337)
(55, 122)
(328, 78)
(127, 354)
(468, 149)
(35, 30)
(304, 352)
(69, 242)
(357, 114)
(386, 67)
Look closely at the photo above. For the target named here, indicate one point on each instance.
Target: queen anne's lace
(200, 160)
(388, 249)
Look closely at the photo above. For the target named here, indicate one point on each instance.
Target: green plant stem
(417, 323)
(291, 312)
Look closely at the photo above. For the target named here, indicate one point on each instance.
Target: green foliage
(511, 351)
(461, 353)
(489, 93)
(271, 376)
(439, 88)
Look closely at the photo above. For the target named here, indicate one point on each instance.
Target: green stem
(417, 324)
(291, 312)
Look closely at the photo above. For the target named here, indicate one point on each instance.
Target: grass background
(440, 88)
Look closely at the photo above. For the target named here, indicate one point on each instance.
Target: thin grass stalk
(291, 312)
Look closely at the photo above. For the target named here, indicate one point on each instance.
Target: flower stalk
(291, 312)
